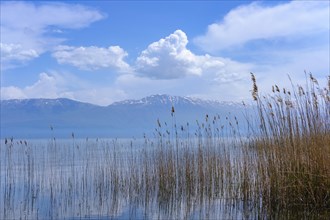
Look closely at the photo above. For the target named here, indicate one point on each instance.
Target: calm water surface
(103, 179)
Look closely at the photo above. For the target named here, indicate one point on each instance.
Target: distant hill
(32, 118)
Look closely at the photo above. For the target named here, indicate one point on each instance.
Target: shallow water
(74, 179)
(108, 179)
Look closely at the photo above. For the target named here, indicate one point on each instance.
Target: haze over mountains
(33, 118)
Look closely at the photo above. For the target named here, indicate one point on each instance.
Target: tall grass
(293, 147)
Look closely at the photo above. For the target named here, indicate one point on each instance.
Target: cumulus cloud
(169, 58)
(92, 58)
(26, 28)
(257, 22)
(48, 86)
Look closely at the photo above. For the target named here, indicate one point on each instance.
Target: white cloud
(49, 85)
(203, 87)
(20, 15)
(65, 85)
(92, 58)
(15, 52)
(12, 92)
(169, 58)
(96, 95)
(255, 21)
(26, 28)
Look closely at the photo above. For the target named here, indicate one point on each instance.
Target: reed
(293, 147)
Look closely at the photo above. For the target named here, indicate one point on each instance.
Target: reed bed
(293, 147)
(280, 168)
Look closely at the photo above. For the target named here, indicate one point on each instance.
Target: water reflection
(120, 179)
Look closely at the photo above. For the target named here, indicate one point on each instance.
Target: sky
(106, 51)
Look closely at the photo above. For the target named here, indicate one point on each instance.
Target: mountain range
(44, 118)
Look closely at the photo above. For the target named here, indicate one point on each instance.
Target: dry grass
(293, 150)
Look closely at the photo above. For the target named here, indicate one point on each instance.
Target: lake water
(120, 179)
(89, 178)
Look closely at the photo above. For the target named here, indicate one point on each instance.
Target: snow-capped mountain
(155, 100)
(34, 117)
(173, 100)
(38, 104)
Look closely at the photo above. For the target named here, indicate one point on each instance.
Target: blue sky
(106, 51)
